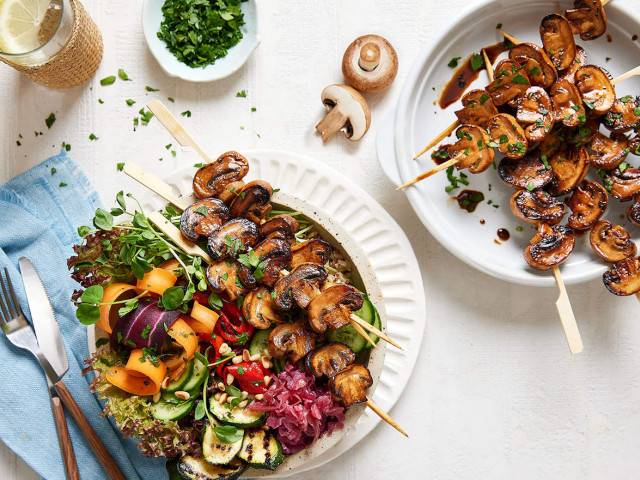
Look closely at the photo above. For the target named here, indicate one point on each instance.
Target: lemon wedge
(20, 24)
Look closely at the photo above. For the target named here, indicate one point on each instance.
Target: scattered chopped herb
(531, 187)
(168, 146)
(53, 170)
(626, 99)
(483, 98)
(62, 184)
(110, 80)
(130, 102)
(199, 165)
(145, 116)
(477, 62)
(241, 94)
(122, 75)
(100, 101)
(151, 89)
(519, 228)
(186, 113)
(499, 26)
(535, 71)
(50, 120)
(253, 109)
(93, 137)
(545, 161)
(171, 99)
(66, 146)
(120, 166)
(623, 166)
(520, 79)
(453, 63)
(503, 139)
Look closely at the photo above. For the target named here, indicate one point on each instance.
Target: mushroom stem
(369, 56)
(331, 123)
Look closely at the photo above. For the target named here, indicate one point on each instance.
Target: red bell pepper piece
(249, 375)
(232, 327)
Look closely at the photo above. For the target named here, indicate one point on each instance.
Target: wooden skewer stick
(174, 234)
(567, 318)
(445, 133)
(374, 330)
(487, 65)
(427, 174)
(511, 38)
(156, 185)
(175, 128)
(362, 333)
(385, 416)
(631, 73)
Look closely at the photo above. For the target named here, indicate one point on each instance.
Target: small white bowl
(223, 67)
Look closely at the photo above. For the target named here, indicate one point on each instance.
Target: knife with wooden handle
(52, 347)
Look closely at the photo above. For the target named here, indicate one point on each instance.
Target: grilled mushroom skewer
(605, 96)
(348, 380)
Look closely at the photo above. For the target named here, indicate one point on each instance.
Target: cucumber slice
(260, 341)
(200, 372)
(348, 334)
(261, 449)
(163, 410)
(349, 337)
(236, 416)
(217, 452)
(179, 383)
(195, 468)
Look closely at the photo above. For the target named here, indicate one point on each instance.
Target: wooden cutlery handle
(66, 447)
(104, 457)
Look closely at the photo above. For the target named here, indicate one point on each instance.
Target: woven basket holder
(76, 62)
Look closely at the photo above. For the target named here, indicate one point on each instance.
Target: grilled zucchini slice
(261, 449)
(217, 452)
(236, 416)
(194, 468)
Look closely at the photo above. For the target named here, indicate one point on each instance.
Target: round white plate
(418, 119)
(223, 67)
(385, 248)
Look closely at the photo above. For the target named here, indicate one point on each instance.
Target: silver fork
(20, 333)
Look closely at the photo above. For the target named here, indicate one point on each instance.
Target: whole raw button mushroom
(370, 64)
(348, 112)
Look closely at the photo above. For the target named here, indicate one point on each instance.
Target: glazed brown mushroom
(329, 360)
(557, 39)
(588, 18)
(212, 179)
(552, 143)
(203, 218)
(348, 112)
(607, 153)
(274, 255)
(537, 65)
(596, 89)
(478, 108)
(567, 103)
(230, 192)
(332, 308)
(536, 111)
(527, 173)
(281, 226)
(471, 150)
(588, 203)
(624, 115)
(549, 247)
(291, 340)
(579, 60)
(315, 251)
(370, 64)
(623, 277)
(536, 206)
(633, 212)
(569, 167)
(511, 81)
(299, 287)
(625, 185)
(231, 277)
(507, 136)
(612, 243)
(235, 236)
(258, 309)
(351, 384)
(253, 201)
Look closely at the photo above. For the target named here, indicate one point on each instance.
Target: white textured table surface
(495, 393)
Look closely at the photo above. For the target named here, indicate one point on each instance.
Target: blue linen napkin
(39, 217)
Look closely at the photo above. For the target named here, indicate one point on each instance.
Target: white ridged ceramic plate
(418, 119)
(385, 248)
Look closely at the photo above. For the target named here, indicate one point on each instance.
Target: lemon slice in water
(21, 23)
